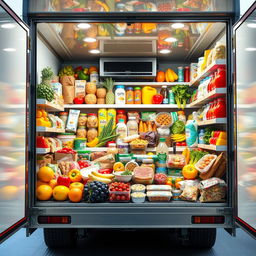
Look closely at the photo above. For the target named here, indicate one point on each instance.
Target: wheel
(202, 237)
(60, 237)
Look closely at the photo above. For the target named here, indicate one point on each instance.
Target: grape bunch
(96, 192)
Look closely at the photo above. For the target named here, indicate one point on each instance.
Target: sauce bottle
(137, 95)
(164, 92)
(129, 95)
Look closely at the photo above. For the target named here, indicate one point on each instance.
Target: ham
(143, 173)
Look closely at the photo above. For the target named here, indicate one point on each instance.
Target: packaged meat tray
(159, 196)
(159, 188)
(143, 175)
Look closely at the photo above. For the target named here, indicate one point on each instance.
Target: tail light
(208, 219)
(54, 219)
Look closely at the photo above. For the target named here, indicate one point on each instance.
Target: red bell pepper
(79, 100)
(83, 164)
(157, 99)
(41, 142)
(64, 181)
(105, 171)
(80, 68)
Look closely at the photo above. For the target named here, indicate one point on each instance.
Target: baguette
(214, 167)
(222, 168)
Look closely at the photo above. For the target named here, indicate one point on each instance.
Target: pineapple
(110, 96)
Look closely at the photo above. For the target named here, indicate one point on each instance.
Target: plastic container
(129, 95)
(160, 178)
(200, 164)
(176, 195)
(120, 95)
(164, 120)
(138, 188)
(121, 129)
(137, 95)
(138, 197)
(123, 148)
(92, 120)
(159, 196)
(201, 136)
(176, 161)
(122, 178)
(119, 193)
(180, 74)
(132, 126)
(80, 143)
(67, 139)
(159, 188)
(64, 117)
(84, 155)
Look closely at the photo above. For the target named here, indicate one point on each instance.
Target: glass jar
(82, 119)
(129, 95)
(64, 117)
(164, 92)
(137, 95)
(92, 133)
(123, 148)
(92, 120)
(121, 115)
(81, 132)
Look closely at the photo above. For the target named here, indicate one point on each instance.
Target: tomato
(183, 144)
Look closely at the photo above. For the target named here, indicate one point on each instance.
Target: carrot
(141, 127)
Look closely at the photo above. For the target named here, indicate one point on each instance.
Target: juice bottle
(102, 119)
(112, 114)
(129, 95)
(137, 95)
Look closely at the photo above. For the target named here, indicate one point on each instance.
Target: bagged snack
(190, 193)
(72, 120)
(176, 161)
(68, 88)
(148, 115)
(212, 190)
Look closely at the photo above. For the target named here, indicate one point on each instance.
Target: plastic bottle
(162, 147)
(132, 126)
(137, 95)
(171, 97)
(121, 129)
(201, 136)
(129, 95)
(162, 153)
(165, 94)
(191, 133)
(120, 95)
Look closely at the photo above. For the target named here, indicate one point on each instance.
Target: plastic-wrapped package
(219, 51)
(190, 193)
(212, 190)
(176, 161)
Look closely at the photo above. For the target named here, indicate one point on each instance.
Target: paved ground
(144, 244)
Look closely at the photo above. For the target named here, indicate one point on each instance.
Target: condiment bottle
(121, 129)
(137, 95)
(164, 92)
(132, 126)
(121, 115)
(129, 95)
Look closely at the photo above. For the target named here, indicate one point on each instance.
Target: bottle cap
(121, 120)
(162, 139)
(129, 88)
(137, 88)
(120, 86)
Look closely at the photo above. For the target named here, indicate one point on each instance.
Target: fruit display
(96, 192)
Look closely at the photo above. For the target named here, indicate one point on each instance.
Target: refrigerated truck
(26, 48)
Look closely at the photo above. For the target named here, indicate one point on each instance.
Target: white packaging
(193, 71)
(80, 88)
(94, 78)
(57, 88)
(72, 120)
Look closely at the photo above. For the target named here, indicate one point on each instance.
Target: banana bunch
(178, 137)
(170, 75)
(105, 178)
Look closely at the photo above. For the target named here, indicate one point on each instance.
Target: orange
(45, 174)
(53, 183)
(8, 192)
(39, 183)
(75, 195)
(160, 76)
(44, 192)
(92, 68)
(60, 193)
(77, 185)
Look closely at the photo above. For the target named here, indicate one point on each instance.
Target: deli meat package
(212, 190)
(143, 175)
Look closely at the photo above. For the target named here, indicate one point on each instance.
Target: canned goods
(181, 74)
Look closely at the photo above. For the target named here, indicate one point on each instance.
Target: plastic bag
(190, 193)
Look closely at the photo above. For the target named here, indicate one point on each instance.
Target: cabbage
(178, 127)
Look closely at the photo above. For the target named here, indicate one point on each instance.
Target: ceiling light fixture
(170, 39)
(83, 25)
(8, 25)
(250, 49)
(94, 51)
(90, 40)
(165, 51)
(9, 49)
(178, 25)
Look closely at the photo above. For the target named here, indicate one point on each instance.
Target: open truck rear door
(13, 121)
(245, 120)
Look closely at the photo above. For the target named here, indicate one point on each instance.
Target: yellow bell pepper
(221, 142)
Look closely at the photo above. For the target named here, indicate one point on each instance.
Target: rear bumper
(158, 215)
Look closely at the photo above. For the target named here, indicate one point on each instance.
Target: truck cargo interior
(156, 62)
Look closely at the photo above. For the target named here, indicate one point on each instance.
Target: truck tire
(202, 237)
(60, 237)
